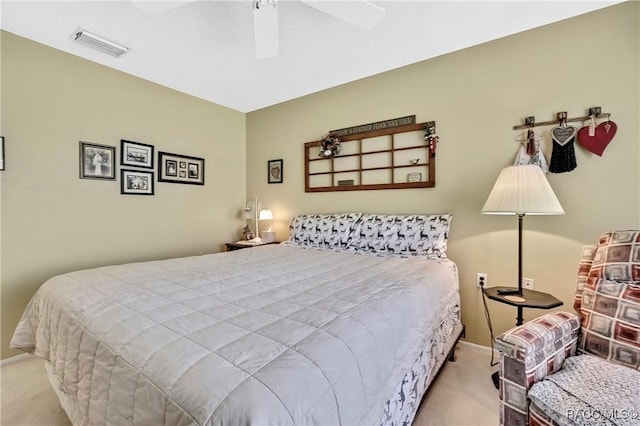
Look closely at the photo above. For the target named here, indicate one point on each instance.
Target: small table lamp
(267, 236)
(254, 211)
(266, 214)
(522, 190)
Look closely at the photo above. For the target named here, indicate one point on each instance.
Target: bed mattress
(272, 335)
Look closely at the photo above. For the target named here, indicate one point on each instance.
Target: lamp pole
(520, 217)
(520, 318)
(256, 213)
(256, 207)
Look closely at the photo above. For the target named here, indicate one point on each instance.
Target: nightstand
(238, 246)
(532, 299)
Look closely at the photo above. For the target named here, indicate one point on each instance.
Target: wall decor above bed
(176, 168)
(379, 156)
(275, 171)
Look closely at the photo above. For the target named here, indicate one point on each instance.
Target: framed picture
(136, 154)
(97, 161)
(414, 177)
(136, 182)
(1, 152)
(274, 170)
(176, 168)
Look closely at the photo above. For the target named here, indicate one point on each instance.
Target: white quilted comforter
(271, 335)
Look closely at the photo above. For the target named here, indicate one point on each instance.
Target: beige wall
(475, 96)
(53, 222)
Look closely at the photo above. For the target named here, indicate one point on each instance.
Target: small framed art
(1, 152)
(414, 177)
(136, 154)
(176, 168)
(274, 170)
(136, 182)
(97, 161)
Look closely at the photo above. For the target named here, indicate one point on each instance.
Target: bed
(347, 322)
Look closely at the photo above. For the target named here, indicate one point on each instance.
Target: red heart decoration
(604, 132)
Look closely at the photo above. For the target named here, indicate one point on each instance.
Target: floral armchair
(580, 369)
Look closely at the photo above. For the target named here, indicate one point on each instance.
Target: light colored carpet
(463, 394)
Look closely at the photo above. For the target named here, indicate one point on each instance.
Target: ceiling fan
(360, 13)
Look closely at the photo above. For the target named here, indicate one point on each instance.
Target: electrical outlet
(527, 283)
(481, 278)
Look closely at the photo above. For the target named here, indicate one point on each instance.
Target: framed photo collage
(137, 166)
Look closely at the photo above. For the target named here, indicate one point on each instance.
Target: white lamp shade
(522, 190)
(266, 214)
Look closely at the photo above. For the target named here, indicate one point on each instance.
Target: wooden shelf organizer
(379, 159)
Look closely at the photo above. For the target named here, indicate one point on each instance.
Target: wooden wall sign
(379, 125)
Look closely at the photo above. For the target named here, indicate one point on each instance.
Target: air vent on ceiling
(99, 43)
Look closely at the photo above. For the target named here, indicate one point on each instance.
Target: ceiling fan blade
(265, 28)
(360, 13)
(154, 6)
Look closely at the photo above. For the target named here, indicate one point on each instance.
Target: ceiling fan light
(265, 27)
(98, 43)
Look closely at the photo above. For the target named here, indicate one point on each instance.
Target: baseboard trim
(477, 347)
(14, 359)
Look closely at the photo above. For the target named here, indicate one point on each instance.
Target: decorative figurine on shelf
(431, 138)
(247, 233)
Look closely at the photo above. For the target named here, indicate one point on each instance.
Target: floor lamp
(522, 190)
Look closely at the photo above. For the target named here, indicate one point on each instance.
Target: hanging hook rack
(562, 118)
(531, 120)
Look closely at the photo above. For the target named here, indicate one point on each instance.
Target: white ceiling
(206, 48)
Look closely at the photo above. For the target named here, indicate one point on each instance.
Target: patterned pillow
(404, 235)
(611, 321)
(323, 230)
(617, 257)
